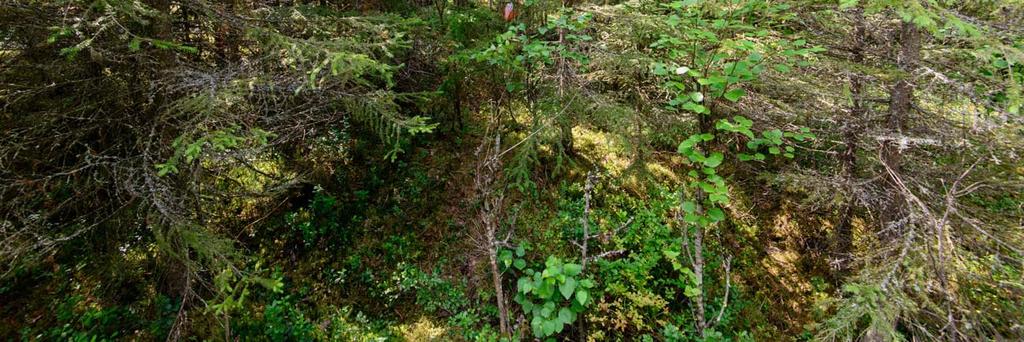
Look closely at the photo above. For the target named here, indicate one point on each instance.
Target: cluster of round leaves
(553, 296)
(770, 141)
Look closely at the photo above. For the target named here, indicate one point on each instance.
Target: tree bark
(490, 211)
(499, 291)
(851, 129)
(900, 106)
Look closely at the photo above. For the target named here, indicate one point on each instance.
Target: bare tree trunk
(499, 291)
(491, 200)
(900, 106)
(587, 192)
(693, 248)
(698, 269)
(852, 128)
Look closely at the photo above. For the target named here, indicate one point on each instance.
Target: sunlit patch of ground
(602, 148)
(423, 330)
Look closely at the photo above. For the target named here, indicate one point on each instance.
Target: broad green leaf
(714, 160)
(568, 287)
(547, 309)
(691, 291)
(550, 327)
(689, 206)
(735, 94)
(527, 306)
(553, 262)
(716, 214)
(694, 107)
(525, 285)
(537, 325)
(659, 69)
(565, 316)
(582, 295)
(572, 270)
(506, 257)
(697, 96)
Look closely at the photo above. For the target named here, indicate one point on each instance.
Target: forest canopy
(538, 170)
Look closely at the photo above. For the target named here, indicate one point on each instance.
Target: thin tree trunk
(499, 291)
(694, 251)
(900, 106)
(490, 211)
(584, 253)
(698, 270)
(852, 128)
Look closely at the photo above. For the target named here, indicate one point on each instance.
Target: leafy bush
(554, 296)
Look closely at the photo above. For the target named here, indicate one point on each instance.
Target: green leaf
(135, 45)
(567, 287)
(550, 327)
(506, 257)
(775, 136)
(519, 264)
(565, 316)
(716, 214)
(697, 96)
(525, 285)
(659, 69)
(587, 283)
(553, 262)
(582, 296)
(685, 146)
(545, 289)
(714, 159)
(689, 206)
(735, 94)
(694, 107)
(691, 291)
(547, 309)
(571, 269)
(527, 306)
